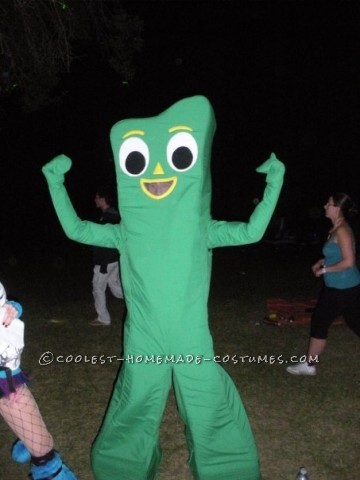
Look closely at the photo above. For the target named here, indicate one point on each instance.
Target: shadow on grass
(311, 421)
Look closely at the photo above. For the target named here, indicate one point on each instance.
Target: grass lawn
(311, 421)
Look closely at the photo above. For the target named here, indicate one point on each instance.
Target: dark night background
(282, 77)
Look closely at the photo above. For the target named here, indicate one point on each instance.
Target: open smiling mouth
(158, 189)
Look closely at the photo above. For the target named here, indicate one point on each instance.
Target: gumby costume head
(165, 158)
(165, 239)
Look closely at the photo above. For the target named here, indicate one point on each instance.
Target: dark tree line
(41, 39)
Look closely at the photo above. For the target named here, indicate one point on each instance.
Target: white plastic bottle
(302, 474)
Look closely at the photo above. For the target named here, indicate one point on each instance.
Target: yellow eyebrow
(133, 132)
(180, 127)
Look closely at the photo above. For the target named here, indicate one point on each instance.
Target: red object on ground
(282, 311)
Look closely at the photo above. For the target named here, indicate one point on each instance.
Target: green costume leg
(219, 436)
(127, 447)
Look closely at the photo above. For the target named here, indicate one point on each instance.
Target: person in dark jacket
(106, 263)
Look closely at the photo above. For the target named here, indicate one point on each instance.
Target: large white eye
(182, 151)
(134, 156)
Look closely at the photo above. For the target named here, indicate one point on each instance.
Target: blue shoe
(53, 469)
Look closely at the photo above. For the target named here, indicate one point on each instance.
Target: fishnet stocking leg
(21, 413)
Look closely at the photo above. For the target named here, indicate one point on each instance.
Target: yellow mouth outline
(145, 181)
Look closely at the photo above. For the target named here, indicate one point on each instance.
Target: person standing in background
(106, 263)
(341, 291)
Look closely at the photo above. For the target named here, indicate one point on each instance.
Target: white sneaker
(302, 369)
(97, 322)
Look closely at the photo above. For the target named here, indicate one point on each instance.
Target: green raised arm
(76, 229)
(222, 234)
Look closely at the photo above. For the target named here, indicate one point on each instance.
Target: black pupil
(135, 163)
(182, 158)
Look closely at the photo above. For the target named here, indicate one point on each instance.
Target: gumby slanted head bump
(164, 158)
(165, 238)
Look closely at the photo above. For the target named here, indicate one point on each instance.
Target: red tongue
(158, 188)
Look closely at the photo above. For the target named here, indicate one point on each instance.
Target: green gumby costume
(165, 239)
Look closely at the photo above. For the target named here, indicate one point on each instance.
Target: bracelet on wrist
(324, 269)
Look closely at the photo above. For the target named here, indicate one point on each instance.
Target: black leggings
(332, 303)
